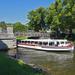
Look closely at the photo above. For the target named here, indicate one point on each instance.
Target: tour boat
(47, 44)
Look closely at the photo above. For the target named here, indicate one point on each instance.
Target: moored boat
(47, 44)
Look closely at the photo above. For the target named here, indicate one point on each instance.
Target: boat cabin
(45, 42)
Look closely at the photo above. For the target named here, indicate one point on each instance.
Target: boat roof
(45, 40)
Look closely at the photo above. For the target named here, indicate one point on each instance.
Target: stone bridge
(7, 40)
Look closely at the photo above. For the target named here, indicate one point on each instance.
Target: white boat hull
(48, 49)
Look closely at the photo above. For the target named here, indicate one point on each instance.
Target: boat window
(32, 41)
(45, 43)
(67, 42)
(25, 41)
(19, 41)
(62, 42)
(57, 43)
(51, 43)
(36, 42)
(28, 41)
(22, 41)
(40, 43)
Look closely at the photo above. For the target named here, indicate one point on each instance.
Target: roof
(44, 40)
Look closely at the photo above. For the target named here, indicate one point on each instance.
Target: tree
(50, 14)
(18, 27)
(59, 16)
(36, 18)
(42, 13)
(3, 25)
(69, 15)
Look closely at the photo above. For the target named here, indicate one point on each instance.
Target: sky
(12, 11)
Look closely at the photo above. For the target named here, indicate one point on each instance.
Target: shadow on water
(3, 46)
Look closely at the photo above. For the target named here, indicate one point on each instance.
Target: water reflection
(33, 55)
(53, 61)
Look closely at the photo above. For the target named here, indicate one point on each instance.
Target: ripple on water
(57, 63)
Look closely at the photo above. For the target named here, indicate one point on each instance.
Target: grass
(12, 67)
(21, 37)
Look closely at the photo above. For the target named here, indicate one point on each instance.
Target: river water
(56, 63)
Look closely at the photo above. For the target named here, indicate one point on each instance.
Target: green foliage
(3, 25)
(50, 14)
(36, 18)
(60, 14)
(18, 27)
(21, 37)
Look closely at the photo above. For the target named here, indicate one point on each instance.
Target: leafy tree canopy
(18, 27)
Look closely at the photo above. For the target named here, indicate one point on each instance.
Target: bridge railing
(6, 35)
(33, 34)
